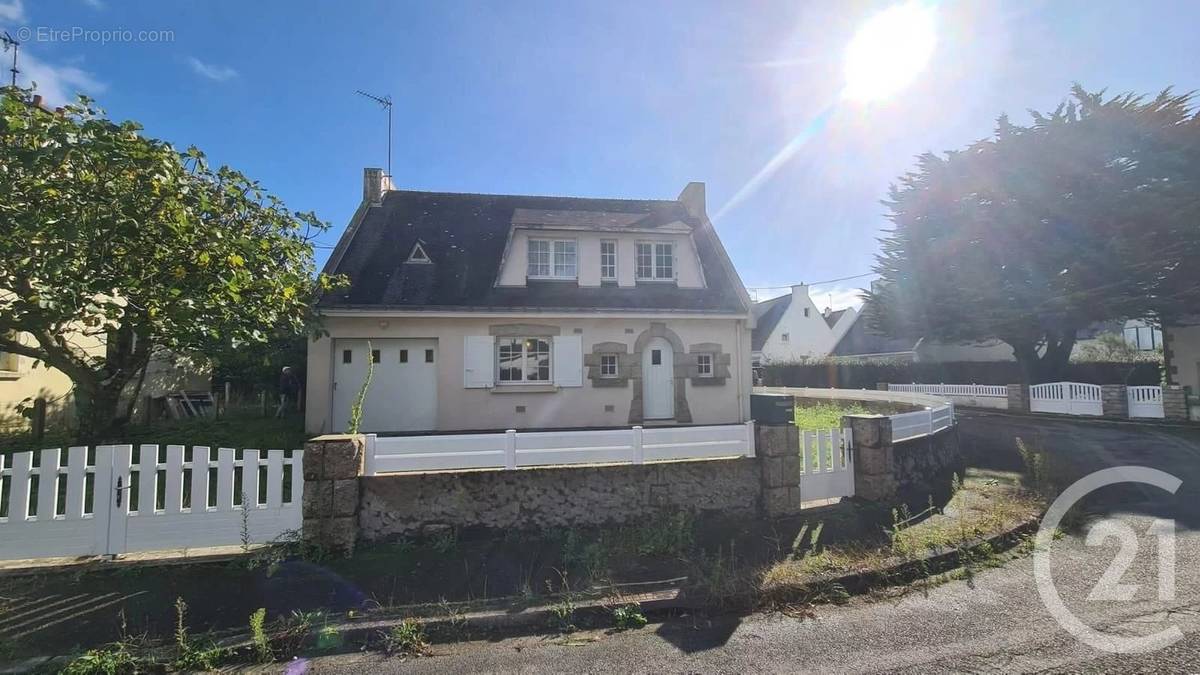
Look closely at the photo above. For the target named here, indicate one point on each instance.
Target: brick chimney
(375, 185)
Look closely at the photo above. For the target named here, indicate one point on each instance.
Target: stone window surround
(720, 365)
(625, 364)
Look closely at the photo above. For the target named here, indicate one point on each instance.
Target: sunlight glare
(889, 51)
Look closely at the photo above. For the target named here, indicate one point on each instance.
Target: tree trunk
(1051, 364)
(96, 413)
(1025, 351)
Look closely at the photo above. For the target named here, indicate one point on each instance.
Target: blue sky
(611, 99)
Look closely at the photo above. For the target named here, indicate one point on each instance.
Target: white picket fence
(513, 449)
(922, 422)
(972, 395)
(114, 499)
(1067, 398)
(953, 389)
(1145, 402)
(827, 464)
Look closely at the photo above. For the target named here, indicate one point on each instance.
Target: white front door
(403, 391)
(658, 380)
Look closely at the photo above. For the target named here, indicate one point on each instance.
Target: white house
(490, 312)
(791, 328)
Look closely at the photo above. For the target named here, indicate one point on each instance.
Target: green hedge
(848, 374)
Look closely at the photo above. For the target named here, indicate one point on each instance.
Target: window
(552, 259)
(704, 363)
(806, 312)
(428, 356)
(656, 357)
(608, 365)
(521, 360)
(655, 261)
(403, 356)
(784, 337)
(608, 260)
(347, 356)
(374, 356)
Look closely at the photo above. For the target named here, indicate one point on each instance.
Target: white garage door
(403, 392)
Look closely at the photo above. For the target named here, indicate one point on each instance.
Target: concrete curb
(962, 411)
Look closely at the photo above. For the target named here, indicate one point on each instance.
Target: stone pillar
(874, 473)
(1114, 400)
(332, 466)
(881, 386)
(1018, 398)
(778, 450)
(1175, 402)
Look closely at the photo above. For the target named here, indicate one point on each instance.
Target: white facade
(803, 331)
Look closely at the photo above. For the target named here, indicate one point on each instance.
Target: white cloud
(14, 10)
(57, 84)
(212, 71)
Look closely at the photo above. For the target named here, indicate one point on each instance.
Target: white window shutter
(568, 360)
(478, 361)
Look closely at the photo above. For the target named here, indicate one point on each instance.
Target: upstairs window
(608, 261)
(784, 337)
(655, 261)
(552, 259)
(522, 360)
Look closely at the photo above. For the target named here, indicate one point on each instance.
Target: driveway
(994, 622)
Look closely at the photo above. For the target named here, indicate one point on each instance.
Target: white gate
(116, 499)
(827, 464)
(1067, 398)
(1146, 402)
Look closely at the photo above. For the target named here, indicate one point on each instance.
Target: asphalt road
(993, 622)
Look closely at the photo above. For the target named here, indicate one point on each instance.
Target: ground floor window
(608, 365)
(704, 365)
(522, 360)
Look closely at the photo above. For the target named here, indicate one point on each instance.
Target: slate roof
(860, 340)
(767, 315)
(465, 237)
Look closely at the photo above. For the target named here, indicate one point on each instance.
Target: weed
(445, 541)
(245, 524)
(587, 556)
(289, 635)
(628, 616)
(114, 659)
(328, 638)
(356, 409)
(405, 639)
(189, 656)
(258, 634)
(562, 614)
(671, 534)
(456, 618)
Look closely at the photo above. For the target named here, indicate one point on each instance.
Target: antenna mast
(10, 42)
(385, 102)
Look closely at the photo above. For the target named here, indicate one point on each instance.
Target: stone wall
(906, 471)
(406, 504)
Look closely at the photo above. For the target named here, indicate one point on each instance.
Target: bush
(862, 374)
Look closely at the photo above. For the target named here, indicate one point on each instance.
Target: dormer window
(655, 261)
(418, 254)
(552, 259)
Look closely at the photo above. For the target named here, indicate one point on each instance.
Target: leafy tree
(1091, 213)
(116, 246)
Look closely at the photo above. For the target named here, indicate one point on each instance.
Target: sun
(889, 51)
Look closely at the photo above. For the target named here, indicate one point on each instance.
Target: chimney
(692, 199)
(827, 312)
(375, 185)
(800, 291)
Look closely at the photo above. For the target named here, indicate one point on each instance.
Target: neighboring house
(863, 343)
(790, 328)
(488, 312)
(23, 379)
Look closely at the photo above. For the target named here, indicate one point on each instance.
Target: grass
(826, 415)
(986, 505)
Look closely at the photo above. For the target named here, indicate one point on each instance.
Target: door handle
(120, 490)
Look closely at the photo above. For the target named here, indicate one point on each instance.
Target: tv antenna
(10, 42)
(386, 103)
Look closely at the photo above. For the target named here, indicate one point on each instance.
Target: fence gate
(827, 464)
(1066, 398)
(1145, 402)
(109, 500)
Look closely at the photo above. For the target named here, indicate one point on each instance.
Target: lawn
(827, 415)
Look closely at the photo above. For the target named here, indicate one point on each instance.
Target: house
(23, 379)
(791, 328)
(491, 312)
